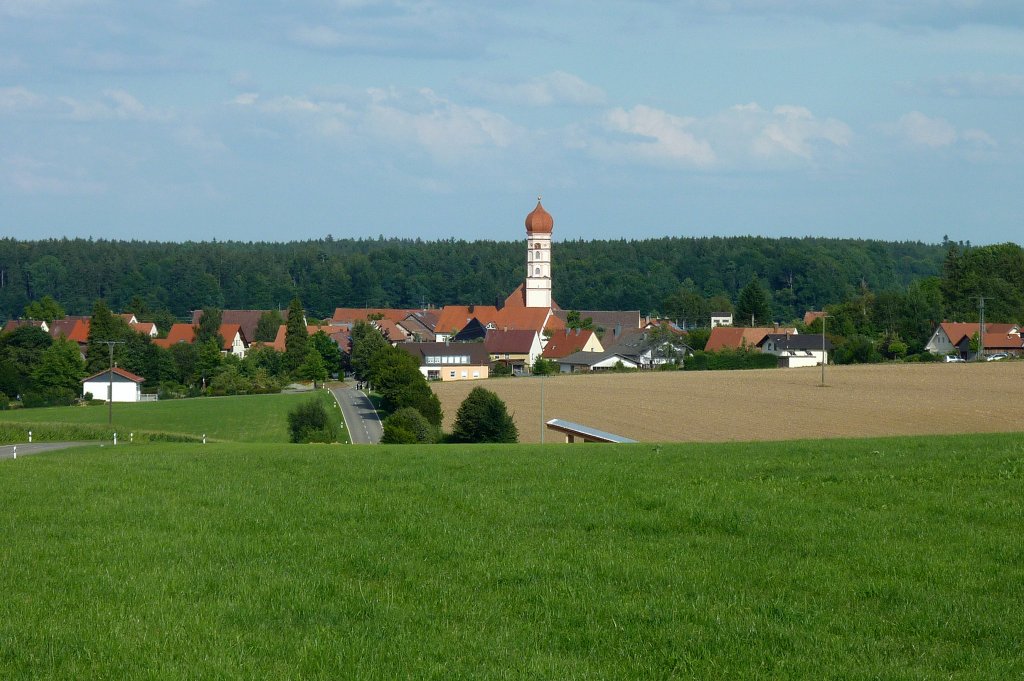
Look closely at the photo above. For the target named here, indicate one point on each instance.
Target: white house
(595, 361)
(796, 350)
(127, 387)
(721, 319)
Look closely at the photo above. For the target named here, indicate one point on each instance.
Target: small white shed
(127, 387)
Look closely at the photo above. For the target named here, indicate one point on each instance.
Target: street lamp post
(824, 359)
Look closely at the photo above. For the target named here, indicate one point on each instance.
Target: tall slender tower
(539, 224)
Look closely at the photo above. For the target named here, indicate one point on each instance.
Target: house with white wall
(126, 386)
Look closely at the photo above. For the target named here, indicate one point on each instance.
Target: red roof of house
(811, 315)
(13, 324)
(1003, 341)
(147, 328)
(736, 337)
(120, 372)
(957, 331)
(72, 328)
(180, 333)
(392, 331)
(566, 342)
(518, 341)
(454, 317)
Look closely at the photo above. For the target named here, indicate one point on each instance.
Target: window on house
(451, 374)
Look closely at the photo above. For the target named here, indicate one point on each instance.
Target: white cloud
(116, 105)
(445, 129)
(410, 120)
(980, 85)
(655, 136)
(920, 130)
(14, 99)
(557, 87)
(27, 175)
(745, 135)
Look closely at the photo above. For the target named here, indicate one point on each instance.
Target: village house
(739, 337)
(450, 361)
(954, 338)
(518, 349)
(235, 342)
(801, 350)
(568, 341)
(721, 319)
(605, 360)
(126, 386)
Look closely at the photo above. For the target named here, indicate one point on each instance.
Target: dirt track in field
(776, 404)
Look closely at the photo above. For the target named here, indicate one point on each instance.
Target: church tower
(538, 257)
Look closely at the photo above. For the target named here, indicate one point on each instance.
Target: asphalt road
(361, 418)
(25, 449)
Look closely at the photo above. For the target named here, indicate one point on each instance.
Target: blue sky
(294, 119)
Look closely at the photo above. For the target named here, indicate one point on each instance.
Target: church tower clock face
(539, 224)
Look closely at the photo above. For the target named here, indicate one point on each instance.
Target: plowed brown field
(775, 404)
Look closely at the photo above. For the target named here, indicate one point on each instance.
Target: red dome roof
(539, 220)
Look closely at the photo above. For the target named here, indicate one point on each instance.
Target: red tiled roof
(120, 372)
(566, 342)
(811, 315)
(146, 328)
(180, 333)
(1003, 341)
(454, 317)
(518, 341)
(247, 319)
(13, 324)
(735, 337)
(391, 330)
(957, 331)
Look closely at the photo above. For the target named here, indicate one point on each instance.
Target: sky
(279, 120)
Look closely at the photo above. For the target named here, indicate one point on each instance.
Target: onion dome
(539, 220)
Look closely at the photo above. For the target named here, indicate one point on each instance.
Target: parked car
(996, 357)
(955, 358)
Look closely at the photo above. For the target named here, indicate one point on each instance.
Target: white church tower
(538, 257)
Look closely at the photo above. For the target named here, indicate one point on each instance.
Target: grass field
(245, 418)
(772, 404)
(852, 559)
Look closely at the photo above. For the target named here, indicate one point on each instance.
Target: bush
(483, 417)
(5, 402)
(725, 360)
(408, 426)
(311, 422)
(501, 369)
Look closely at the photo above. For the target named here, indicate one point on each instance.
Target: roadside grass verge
(852, 559)
(242, 418)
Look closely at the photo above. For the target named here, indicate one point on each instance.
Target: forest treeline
(798, 273)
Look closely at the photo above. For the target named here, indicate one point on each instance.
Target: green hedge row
(730, 359)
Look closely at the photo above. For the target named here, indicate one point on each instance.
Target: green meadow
(243, 418)
(846, 559)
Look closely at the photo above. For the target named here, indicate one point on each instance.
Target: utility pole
(981, 328)
(110, 379)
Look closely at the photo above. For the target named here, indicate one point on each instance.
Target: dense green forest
(798, 274)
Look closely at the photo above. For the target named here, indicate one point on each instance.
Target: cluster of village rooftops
(466, 342)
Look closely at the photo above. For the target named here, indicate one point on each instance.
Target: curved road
(361, 418)
(24, 449)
